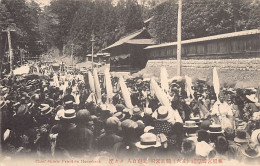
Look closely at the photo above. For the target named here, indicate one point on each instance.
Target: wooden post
(179, 39)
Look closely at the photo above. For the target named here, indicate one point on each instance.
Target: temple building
(128, 54)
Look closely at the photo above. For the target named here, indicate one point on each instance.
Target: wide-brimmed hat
(69, 114)
(241, 136)
(46, 109)
(252, 98)
(148, 140)
(255, 136)
(190, 124)
(250, 150)
(162, 113)
(119, 115)
(215, 129)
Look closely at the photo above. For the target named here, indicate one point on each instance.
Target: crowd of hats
(32, 108)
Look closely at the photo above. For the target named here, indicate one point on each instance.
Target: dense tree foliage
(23, 17)
(203, 18)
(67, 22)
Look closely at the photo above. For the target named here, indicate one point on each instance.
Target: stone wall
(229, 70)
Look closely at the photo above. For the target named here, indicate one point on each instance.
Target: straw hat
(46, 109)
(215, 129)
(255, 137)
(190, 124)
(69, 114)
(148, 140)
(250, 150)
(252, 98)
(162, 113)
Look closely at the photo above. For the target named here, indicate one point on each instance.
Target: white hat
(46, 109)
(148, 140)
(252, 98)
(162, 113)
(203, 149)
(69, 114)
(255, 137)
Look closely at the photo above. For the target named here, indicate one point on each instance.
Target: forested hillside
(67, 22)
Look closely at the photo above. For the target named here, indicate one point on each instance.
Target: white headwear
(254, 136)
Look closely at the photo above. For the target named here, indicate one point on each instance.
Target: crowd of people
(43, 120)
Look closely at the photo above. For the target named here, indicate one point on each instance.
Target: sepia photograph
(129, 82)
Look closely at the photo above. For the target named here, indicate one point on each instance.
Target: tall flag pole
(179, 39)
